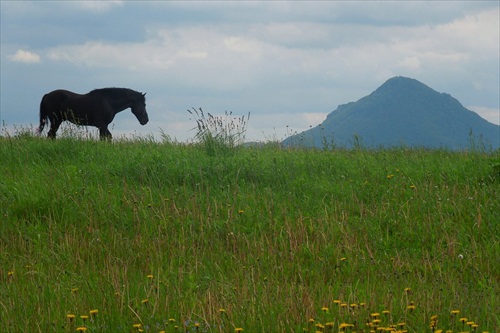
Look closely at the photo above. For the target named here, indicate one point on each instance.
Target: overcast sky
(287, 63)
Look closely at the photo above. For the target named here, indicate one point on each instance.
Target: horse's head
(139, 109)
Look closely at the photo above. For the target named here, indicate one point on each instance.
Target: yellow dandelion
(455, 312)
(311, 320)
(238, 329)
(410, 307)
(337, 302)
(241, 211)
(145, 301)
(386, 312)
(390, 176)
(94, 312)
(362, 304)
(150, 276)
(171, 320)
(74, 290)
(330, 324)
(463, 320)
(222, 310)
(375, 315)
(343, 259)
(70, 316)
(319, 326)
(137, 326)
(81, 329)
(324, 309)
(84, 317)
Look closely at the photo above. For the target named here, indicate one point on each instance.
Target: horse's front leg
(105, 134)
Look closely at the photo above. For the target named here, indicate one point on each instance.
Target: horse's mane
(114, 92)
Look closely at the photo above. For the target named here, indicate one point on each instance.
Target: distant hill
(401, 112)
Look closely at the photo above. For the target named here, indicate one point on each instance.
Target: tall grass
(171, 237)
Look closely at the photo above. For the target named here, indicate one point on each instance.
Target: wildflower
(337, 302)
(319, 326)
(408, 290)
(311, 320)
(70, 317)
(362, 304)
(81, 329)
(145, 301)
(238, 329)
(241, 211)
(330, 324)
(74, 290)
(136, 326)
(390, 176)
(375, 315)
(343, 326)
(84, 317)
(463, 320)
(343, 259)
(171, 320)
(221, 310)
(94, 312)
(353, 306)
(413, 187)
(150, 276)
(411, 307)
(455, 312)
(386, 312)
(324, 309)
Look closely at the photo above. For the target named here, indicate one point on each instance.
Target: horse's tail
(43, 115)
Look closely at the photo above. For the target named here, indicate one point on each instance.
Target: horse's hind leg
(54, 126)
(104, 134)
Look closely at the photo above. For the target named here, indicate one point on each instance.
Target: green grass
(166, 235)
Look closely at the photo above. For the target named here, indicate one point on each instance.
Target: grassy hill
(140, 236)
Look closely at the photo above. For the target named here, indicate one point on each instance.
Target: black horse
(97, 108)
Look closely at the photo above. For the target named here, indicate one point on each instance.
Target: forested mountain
(402, 112)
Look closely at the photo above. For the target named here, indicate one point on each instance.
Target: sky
(288, 64)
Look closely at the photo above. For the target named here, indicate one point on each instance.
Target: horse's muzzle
(144, 121)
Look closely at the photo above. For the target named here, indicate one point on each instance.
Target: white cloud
(25, 57)
(97, 6)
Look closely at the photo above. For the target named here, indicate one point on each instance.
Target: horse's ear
(144, 94)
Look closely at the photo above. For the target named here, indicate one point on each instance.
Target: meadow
(147, 236)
